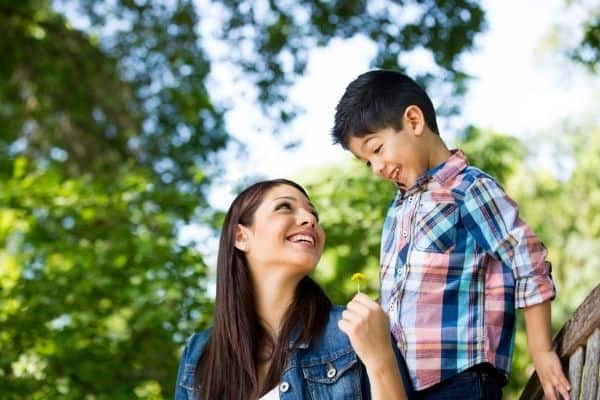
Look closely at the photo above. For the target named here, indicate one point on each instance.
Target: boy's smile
(400, 156)
(396, 156)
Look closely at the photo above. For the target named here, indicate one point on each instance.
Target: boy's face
(397, 156)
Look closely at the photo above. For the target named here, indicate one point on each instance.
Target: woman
(276, 334)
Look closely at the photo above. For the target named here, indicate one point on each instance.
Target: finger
(562, 384)
(344, 326)
(349, 329)
(366, 301)
(351, 316)
(549, 393)
(564, 393)
(563, 390)
(358, 307)
(565, 382)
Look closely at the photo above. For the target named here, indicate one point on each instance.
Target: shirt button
(284, 387)
(405, 234)
(331, 372)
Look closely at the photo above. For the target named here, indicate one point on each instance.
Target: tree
(576, 36)
(587, 51)
(278, 35)
(94, 286)
(110, 141)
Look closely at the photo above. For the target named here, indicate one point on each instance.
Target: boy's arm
(493, 219)
(546, 361)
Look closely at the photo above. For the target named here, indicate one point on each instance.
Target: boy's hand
(545, 359)
(368, 328)
(549, 371)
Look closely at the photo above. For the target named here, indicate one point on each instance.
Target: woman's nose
(307, 218)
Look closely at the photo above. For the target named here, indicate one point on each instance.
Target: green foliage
(577, 36)
(94, 287)
(138, 94)
(588, 50)
(496, 154)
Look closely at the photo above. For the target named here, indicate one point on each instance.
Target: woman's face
(285, 233)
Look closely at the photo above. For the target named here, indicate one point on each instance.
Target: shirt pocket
(435, 227)
(334, 377)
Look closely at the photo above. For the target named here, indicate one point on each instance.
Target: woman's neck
(273, 296)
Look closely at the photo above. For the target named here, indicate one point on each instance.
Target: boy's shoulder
(465, 180)
(452, 181)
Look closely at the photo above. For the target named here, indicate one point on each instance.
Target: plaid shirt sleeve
(493, 219)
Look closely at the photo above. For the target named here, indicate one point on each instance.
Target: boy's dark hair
(377, 100)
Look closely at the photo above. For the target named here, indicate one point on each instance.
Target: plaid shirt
(456, 260)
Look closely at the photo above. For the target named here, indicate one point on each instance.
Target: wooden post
(575, 370)
(590, 368)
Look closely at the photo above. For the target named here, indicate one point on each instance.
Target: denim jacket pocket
(334, 377)
(435, 227)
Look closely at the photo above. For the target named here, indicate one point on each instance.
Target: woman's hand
(368, 328)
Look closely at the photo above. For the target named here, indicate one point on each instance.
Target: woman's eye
(368, 164)
(287, 206)
(378, 149)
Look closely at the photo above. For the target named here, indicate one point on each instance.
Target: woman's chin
(305, 264)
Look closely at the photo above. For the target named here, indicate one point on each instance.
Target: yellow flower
(358, 277)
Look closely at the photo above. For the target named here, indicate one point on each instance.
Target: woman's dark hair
(377, 100)
(228, 365)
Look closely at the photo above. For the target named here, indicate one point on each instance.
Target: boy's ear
(414, 120)
(241, 238)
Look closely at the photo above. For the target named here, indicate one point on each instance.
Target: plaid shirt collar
(441, 173)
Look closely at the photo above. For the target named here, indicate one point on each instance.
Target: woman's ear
(414, 120)
(241, 238)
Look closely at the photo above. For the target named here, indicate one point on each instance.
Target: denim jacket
(327, 368)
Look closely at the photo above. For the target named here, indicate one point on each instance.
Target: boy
(456, 259)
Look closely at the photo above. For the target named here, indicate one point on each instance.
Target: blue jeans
(480, 382)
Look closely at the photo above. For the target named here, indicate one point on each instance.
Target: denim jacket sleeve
(180, 393)
(185, 374)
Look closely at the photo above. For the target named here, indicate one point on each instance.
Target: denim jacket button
(284, 387)
(331, 372)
